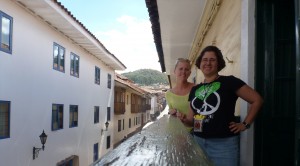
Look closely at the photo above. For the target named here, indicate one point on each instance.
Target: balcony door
(277, 55)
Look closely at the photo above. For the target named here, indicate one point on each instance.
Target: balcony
(119, 108)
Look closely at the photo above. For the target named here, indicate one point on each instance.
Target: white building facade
(57, 77)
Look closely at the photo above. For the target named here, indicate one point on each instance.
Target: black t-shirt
(216, 101)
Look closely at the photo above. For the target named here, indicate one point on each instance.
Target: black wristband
(247, 126)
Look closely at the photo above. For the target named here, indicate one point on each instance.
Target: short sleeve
(236, 83)
(192, 93)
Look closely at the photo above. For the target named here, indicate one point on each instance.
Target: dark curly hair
(218, 53)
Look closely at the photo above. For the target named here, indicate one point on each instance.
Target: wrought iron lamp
(106, 126)
(43, 138)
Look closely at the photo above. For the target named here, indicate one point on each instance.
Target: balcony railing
(165, 142)
(119, 107)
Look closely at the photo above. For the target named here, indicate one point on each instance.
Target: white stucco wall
(247, 74)
(153, 104)
(29, 81)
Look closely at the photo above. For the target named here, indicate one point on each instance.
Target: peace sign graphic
(207, 92)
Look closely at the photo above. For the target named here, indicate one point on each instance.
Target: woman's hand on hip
(236, 127)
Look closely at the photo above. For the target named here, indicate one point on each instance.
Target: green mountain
(146, 77)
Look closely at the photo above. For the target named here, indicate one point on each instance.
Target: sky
(122, 26)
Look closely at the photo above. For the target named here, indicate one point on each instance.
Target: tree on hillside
(147, 77)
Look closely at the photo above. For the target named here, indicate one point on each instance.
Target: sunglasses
(182, 60)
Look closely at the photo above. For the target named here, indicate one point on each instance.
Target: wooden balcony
(119, 102)
(119, 108)
(165, 142)
(135, 108)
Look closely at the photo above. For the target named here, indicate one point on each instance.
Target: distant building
(132, 109)
(158, 101)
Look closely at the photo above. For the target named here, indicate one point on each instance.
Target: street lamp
(43, 138)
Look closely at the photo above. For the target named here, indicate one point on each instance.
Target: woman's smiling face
(209, 63)
(182, 70)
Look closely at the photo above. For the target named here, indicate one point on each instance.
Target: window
(4, 119)
(74, 65)
(119, 125)
(96, 114)
(129, 123)
(96, 152)
(70, 161)
(108, 113)
(57, 116)
(66, 163)
(109, 81)
(73, 116)
(97, 75)
(6, 32)
(58, 57)
(107, 142)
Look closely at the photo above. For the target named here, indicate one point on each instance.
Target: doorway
(275, 127)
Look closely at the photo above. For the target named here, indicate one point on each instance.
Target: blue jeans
(221, 151)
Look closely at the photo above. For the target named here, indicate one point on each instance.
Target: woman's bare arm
(255, 100)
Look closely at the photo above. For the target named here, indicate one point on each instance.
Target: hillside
(146, 77)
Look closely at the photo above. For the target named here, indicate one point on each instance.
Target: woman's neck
(182, 84)
(212, 78)
(181, 88)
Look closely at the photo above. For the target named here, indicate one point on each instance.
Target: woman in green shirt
(177, 97)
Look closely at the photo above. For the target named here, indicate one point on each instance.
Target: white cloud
(133, 45)
(5, 25)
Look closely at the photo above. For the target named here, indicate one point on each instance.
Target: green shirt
(180, 103)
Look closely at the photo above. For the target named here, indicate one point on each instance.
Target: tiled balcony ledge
(165, 142)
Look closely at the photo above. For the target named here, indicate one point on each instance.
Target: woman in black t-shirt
(212, 104)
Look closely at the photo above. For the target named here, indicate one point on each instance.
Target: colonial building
(132, 109)
(56, 77)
